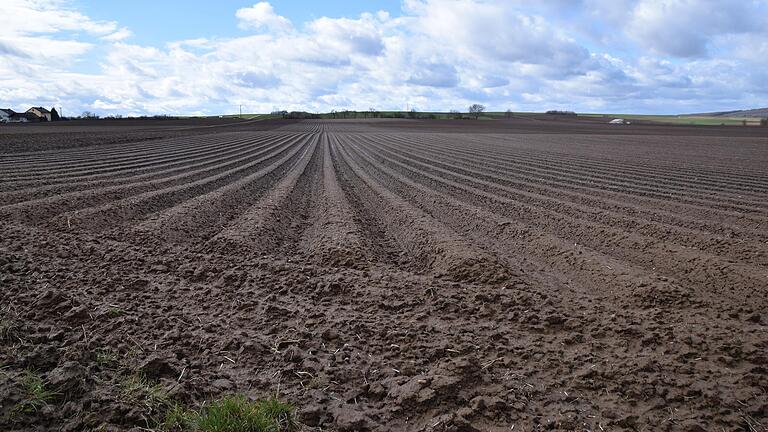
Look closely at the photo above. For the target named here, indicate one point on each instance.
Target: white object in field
(618, 121)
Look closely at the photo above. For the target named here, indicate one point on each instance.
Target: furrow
(202, 217)
(712, 220)
(747, 246)
(626, 173)
(431, 246)
(273, 225)
(140, 164)
(334, 238)
(115, 178)
(131, 196)
(610, 154)
(63, 162)
(546, 259)
(713, 273)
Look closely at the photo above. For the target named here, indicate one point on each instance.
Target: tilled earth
(390, 275)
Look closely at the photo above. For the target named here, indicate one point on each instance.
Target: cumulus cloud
(43, 49)
(47, 32)
(681, 28)
(25, 18)
(256, 79)
(684, 28)
(262, 16)
(495, 31)
(119, 35)
(8, 48)
(356, 36)
(435, 75)
(487, 81)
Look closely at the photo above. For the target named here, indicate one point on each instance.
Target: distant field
(703, 120)
(693, 120)
(490, 115)
(244, 116)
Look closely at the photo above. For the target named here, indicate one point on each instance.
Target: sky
(145, 57)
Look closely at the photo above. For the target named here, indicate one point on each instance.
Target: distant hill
(757, 112)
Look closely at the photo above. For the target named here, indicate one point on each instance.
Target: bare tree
(476, 110)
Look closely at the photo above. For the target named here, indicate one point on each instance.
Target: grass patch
(177, 419)
(9, 330)
(106, 358)
(36, 394)
(115, 312)
(138, 390)
(234, 414)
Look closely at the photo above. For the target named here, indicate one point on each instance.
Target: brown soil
(30, 137)
(390, 275)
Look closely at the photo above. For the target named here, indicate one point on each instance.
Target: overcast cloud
(664, 56)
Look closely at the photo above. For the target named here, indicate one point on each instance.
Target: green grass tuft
(115, 312)
(36, 393)
(106, 358)
(234, 414)
(178, 419)
(138, 390)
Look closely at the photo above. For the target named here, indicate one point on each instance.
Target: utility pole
(241, 111)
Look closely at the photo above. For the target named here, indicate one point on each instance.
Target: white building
(5, 115)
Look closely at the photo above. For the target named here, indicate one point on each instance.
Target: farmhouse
(42, 113)
(34, 114)
(25, 117)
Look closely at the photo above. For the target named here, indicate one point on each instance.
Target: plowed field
(392, 275)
